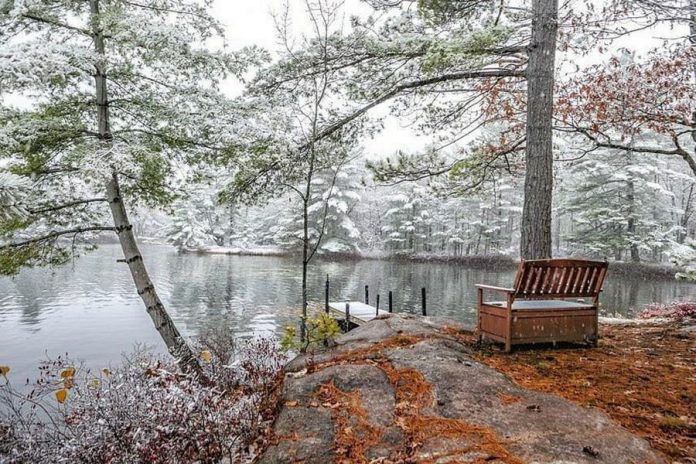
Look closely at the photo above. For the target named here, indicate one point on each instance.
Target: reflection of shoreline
(252, 251)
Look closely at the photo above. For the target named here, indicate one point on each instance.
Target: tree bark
(124, 229)
(631, 222)
(688, 205)
(692, 40)
(536, 239)
(305, 259)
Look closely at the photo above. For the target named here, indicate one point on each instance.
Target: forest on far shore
(636, 208)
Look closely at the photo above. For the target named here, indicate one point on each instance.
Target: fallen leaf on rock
(298, 374)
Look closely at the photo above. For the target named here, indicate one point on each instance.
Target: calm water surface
(89, 308)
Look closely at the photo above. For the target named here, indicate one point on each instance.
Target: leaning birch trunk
(538, 186)
(146, 289)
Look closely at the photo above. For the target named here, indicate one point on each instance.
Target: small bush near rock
(143, 411)
(677, 311)
(320, 330)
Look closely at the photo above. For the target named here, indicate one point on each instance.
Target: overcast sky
(249, 22)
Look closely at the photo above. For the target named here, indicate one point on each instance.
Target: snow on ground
(623, 320)
(227, 250)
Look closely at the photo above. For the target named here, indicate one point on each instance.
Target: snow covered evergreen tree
(188, 230)
(117, 92)
(334, 195)
(198, 218)
(614, 207)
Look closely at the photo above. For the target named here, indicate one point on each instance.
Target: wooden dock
(360, 313)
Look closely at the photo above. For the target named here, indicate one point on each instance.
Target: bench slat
(600, 280)
(551, 278)
(561, 281)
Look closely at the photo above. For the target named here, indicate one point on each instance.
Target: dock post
(390, 301)
(326, 294)
(377, 312)
(423, 301)
(347, 317)
(367, 294)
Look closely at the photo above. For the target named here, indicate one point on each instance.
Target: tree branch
(167, 137)
(414, 85)
(55, 234)
(66, 205)
(677, 151)
(51, 22)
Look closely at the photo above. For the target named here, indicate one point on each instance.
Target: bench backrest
(559, 278)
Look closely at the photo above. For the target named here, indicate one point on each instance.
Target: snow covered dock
(359, 312)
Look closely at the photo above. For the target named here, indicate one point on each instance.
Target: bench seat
(540, 304)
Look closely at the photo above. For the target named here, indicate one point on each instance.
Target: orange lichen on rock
(354, 433)
(644, 377)
(510, 399)
(414, 414)
(414, 398)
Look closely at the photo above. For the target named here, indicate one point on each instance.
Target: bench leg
(508, 328)
(595, 338)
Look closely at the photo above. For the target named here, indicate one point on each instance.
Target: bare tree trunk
(146, 289)
(538, 188)
(688, 205)
(631, 222)
(305, 261)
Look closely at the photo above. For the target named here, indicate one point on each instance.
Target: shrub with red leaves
(678, 311)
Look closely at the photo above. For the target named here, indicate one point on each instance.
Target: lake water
(89, 308)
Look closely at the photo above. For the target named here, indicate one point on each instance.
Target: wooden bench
(536, 309)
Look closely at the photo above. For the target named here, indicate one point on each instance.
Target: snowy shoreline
(642, 270)
(249, 251)
(495, 261)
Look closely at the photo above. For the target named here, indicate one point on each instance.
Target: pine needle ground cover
(643, 376)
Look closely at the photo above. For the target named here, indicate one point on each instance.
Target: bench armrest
(495, 289)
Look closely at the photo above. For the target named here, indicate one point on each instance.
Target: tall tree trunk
(692, 39)
(558, 234)
(631, 222)
(538, 187)
(146, 289)
(305, 259)
(688, 205)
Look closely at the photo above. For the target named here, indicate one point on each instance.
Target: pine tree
(119, 91)
(613, 207)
